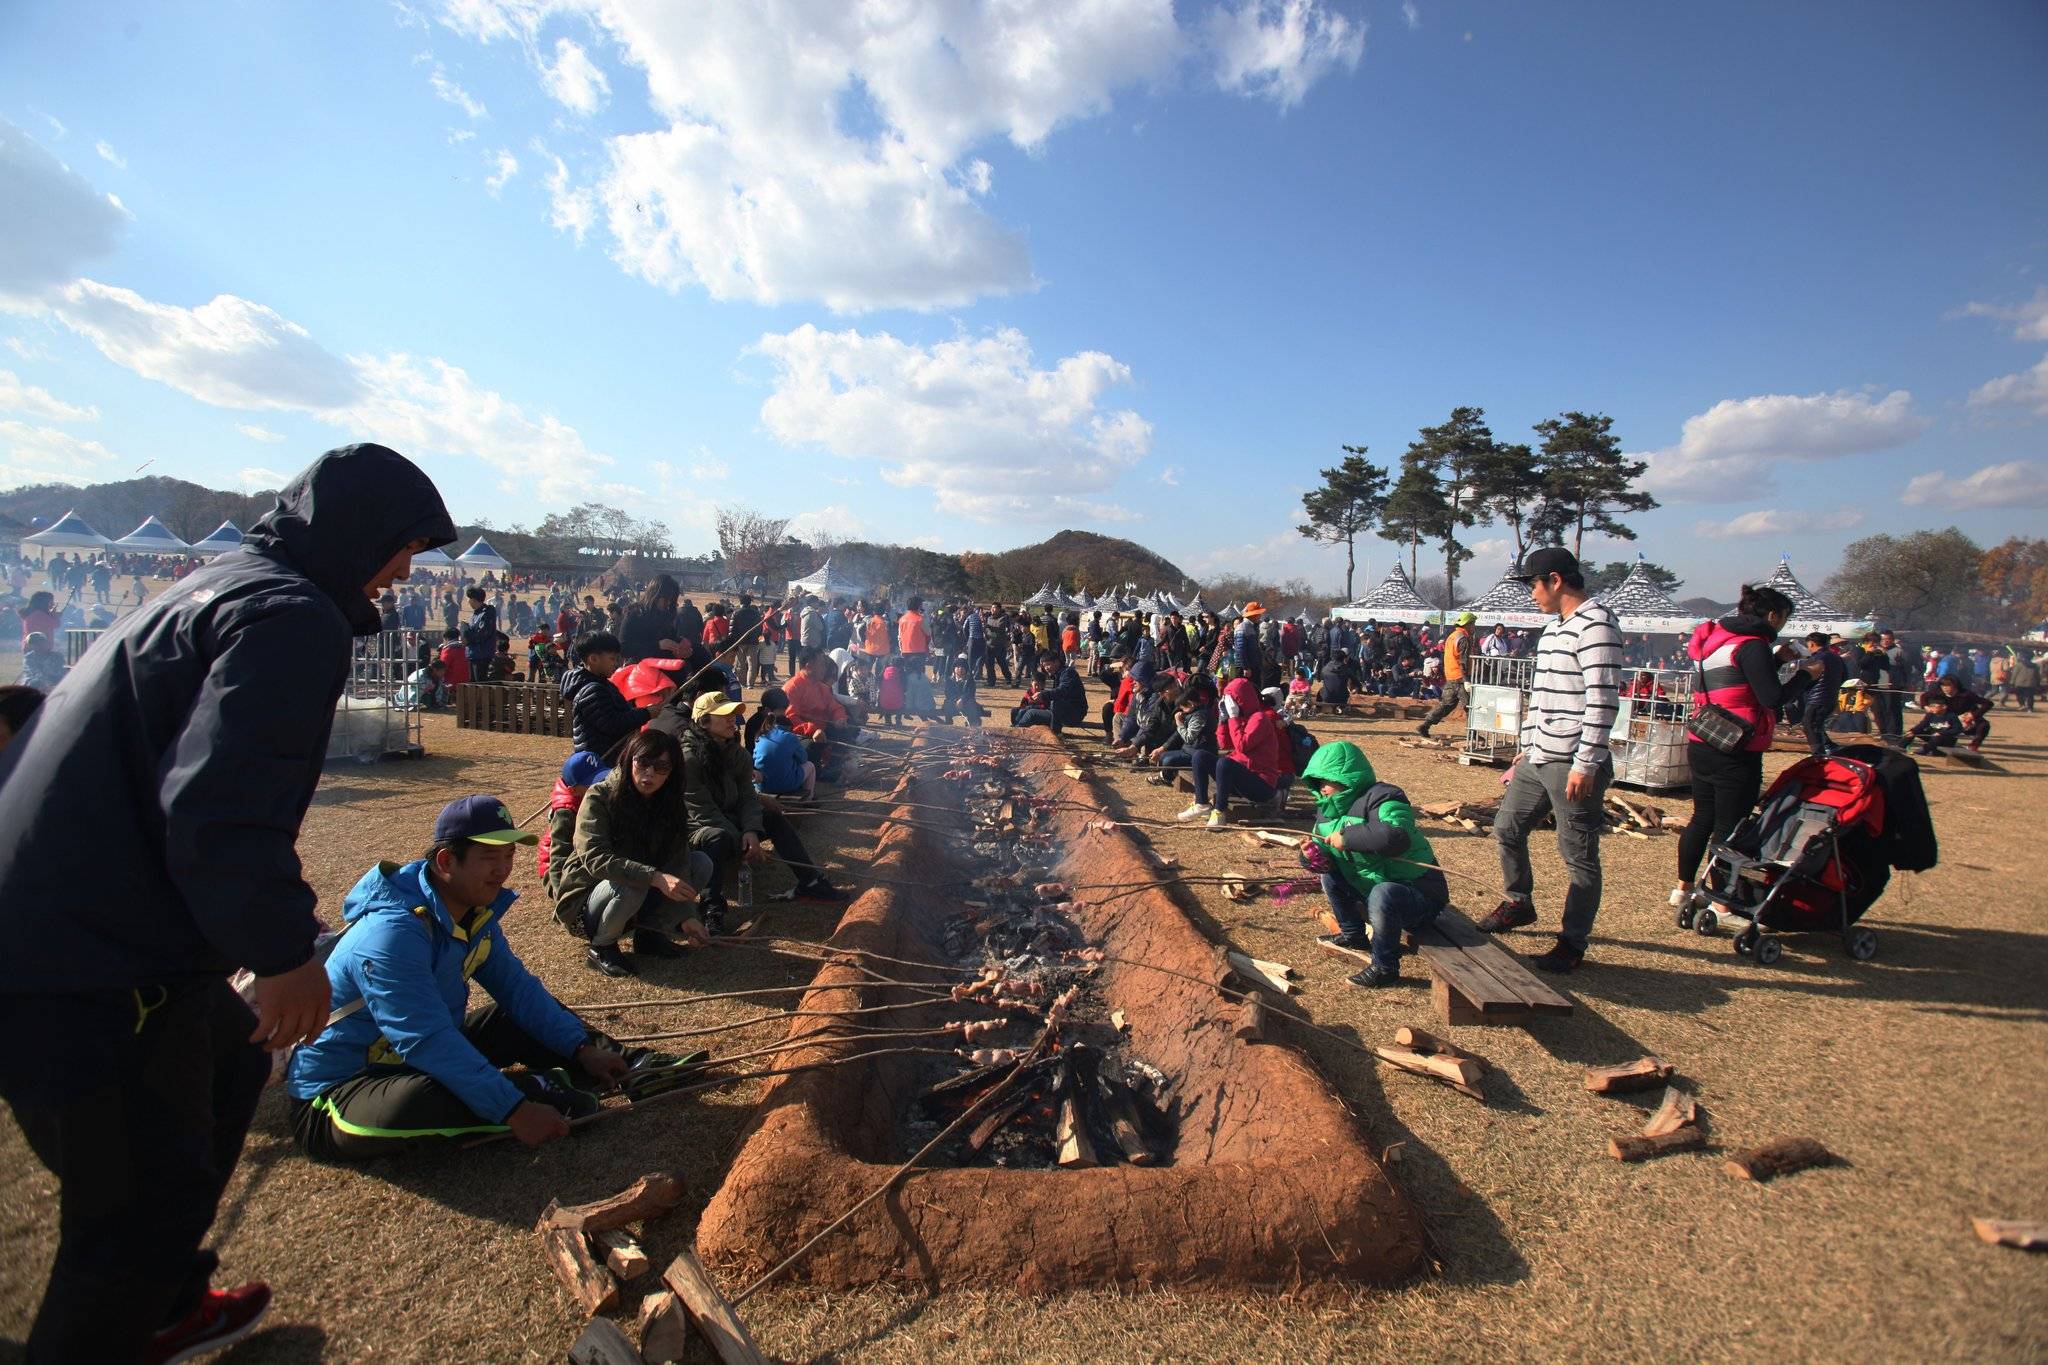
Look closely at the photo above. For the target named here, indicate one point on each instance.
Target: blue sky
(963, 275)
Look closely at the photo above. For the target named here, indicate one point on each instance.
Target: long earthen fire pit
(1260, 1178)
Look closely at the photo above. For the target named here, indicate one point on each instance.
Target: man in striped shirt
(1564, 765)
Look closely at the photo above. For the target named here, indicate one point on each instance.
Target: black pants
(1724, 789)
(1022, 716)
(1454, 695)
(390, 1108)
(722, 848)
(138, 1107)
(990, 659)
(1815, 721)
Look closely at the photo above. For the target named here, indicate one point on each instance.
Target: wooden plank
(710, 1312)
(602, 1343)
(1491, 957)
(2009, 1232)
(568, 1254)
(664, 1331)
(648, 1197)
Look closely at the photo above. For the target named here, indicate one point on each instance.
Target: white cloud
(40, 404)
(808, 152)
(109, 155)
(2027, 390)
(2029, 319)
(1727, 452)
(573, 80)
(55, 221)
(506, 166)
(1777, 521)
(1170, 476)
(832, 522)
(256, 433)
(57, 128)
(572, 210)
(972, 419)
(31, 454)
(257, 479)
(2016, 483)
(1411, 15)
(708, 468)
(25, 349)
(458, 136)
(445, 87)
(1278, 49)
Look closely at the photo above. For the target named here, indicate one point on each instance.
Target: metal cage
(1649, 737)
(379, 713)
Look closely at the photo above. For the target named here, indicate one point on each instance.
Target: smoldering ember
(1234, 680)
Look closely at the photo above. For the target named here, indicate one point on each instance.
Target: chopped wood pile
(1425, 1054)
(1675, 1127)
(1625, 815)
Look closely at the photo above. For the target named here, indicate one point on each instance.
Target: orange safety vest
(1456, 646)
(911, 636)
(877, 636)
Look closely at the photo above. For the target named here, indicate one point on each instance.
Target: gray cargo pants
(1533, 790)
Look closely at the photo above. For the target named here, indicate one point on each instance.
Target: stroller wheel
(1863, 944)
(1743, 941)
(1767, 951)
(1685, 917)
(1705, 922)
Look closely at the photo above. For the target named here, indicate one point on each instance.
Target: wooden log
(622, 1253)
(1417, 1040)
(1251, 1021)
(589, 1283)
(2007, 1232)
(1127, 1122)
(1640, 1074)
(710, 1312)
(1678, 1110)
(1278, 840)
(1076, 1151)
(602, 1343)
(1269, 976)
(991, 1123)
(1779, 1156)
(664, 1330)
(1460, 1075)
(1656, 1144)
(648, 1197)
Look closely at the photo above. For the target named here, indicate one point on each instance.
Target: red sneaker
(222, 1318)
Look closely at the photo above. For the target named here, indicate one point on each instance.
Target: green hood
(1344, 763)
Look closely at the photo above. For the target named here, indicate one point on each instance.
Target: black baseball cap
(1544, 562)
(480, 820)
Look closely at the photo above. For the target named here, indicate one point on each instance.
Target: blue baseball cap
(584, 769)
(480, 820)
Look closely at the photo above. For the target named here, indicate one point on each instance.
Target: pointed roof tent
(1046, 596)
(69, 533)
(1507, 602)
(1083, 602)
(480, 555)
(1393, 599)
(436, 559)
(1194, 606)
(1805, 606)
(225, 537)
(827, 583)
(153, 538)
(1233, 612)
(1640, 605)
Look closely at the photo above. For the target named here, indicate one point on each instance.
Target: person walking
(147, 827)
(1829, 669)
(2025, 679)
(1564, 765)
(1457, 651)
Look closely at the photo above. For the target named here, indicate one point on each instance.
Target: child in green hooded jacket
(1378, 869)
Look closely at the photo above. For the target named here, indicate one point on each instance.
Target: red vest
(1720, 682)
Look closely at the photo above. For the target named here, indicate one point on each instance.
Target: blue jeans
(1177, 758)
(1232, 778)
(1391, 910)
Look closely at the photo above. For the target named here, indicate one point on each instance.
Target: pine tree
(1586, 480)
(1350, 501)
(1458, 456)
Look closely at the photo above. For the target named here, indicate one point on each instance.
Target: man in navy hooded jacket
(148, 817)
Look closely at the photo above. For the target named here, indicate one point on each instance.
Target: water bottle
(746, 888)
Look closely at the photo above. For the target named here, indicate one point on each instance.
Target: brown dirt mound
(1268, 1182)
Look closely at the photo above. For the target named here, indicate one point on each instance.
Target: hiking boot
(650, 943)
(221, 1318)
(1509, 914)
(1217, 821)
(1561, 958)
(1423, 729)
(1357, 942)
(651, 1073)
(823, 892)
(1195, 811)
(608, 959)
(558, 1088)
(1373, 977)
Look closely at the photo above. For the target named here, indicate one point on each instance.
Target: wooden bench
(1477, 980)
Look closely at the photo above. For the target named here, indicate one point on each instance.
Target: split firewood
(1076, 773)
(1641, 1074)
(1328, 922)
(1269, 976)
(709, 1311)
(1251, 1021)
(602, 1343)
(992, 1123)
(664, 1330)
(622, 1253)
(1118, 1022)
(1277, 839)
(568, 1253)
(1642, 1148)
(1779, 1156)
(1428, 1044)
(1469, 826)
(1126, 1122)
(648, 1197)
(2006, 1232)
(1442, 810)
(1679, 1110)
(1458, 1073)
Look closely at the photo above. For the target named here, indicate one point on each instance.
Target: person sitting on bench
(402, 1060)
(1375, 864)
(1953, 713)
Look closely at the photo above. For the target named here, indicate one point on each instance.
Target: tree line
(1458, 475)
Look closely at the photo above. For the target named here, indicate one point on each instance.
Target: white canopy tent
(1643, 608)
(481, 556)
(1809, 612)
(152, 538)
(219, 540)
(68, 532)
(1047, 596)
(1507, 603)
(826, 583)
(434, 560)
(1394, 599)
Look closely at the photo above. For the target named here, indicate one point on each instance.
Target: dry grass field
(1923, 1069)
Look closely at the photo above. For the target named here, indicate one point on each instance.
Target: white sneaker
(1194, 812)
(1679, 896)
(1217, 820)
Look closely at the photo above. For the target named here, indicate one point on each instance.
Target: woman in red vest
(1738, 660)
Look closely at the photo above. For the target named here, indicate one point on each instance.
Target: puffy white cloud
(1278, 49)
(447, 89)
(973, 419)
(1728, 451)
(830, 524)
(256, 433)
(1777, 521)
(709, 468)
(32, 454)
(573, 80)
(52, 221)
(826, 152)
(1410, 14)
(2027, 390)
(570, 209)
(504, 167)
(109, 155)
(40, 404)
(2016, 483)
(257, 479)
(2029, 319)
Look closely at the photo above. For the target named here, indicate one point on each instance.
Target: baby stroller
(1816, 853)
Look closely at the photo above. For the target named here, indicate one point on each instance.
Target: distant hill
(1082, 559)
(115, 509)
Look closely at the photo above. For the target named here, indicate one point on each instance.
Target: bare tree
(747, 537)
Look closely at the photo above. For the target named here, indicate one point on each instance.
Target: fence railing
(513, 708)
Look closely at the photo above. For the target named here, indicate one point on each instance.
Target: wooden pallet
(1477, 980)
(513, 708)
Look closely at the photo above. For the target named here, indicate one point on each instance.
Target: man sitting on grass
(1375, 864)
(402, 1060)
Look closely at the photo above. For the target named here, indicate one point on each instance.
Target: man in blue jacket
(147, 821)
(403, 1059)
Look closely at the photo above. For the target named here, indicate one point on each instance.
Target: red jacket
(1125, 690)
(812, 701)
(455, 663)
(1254, 737)
(890, 694)
(564, 797)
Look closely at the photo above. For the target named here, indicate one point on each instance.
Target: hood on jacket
(341, 519)
(1241, 691)
(1344, 763)
(1738, 624)
(573, 679)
